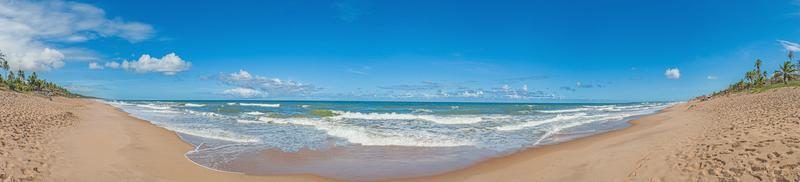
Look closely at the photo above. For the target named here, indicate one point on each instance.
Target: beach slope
(747, 137)
(108, 145)
(744, 137)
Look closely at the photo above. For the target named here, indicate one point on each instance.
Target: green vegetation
(18, 82)
(323, 113)
(756, 80)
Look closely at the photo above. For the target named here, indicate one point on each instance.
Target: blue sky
(509, 51)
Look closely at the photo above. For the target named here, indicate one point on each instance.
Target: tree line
(787, 73)
(32, 83)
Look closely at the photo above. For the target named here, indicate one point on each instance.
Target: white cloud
(789, 46)
(711, 77)
(35, 34)
(244, 92)
(170, 64)
(112, 64)
(454, 90)
(95, 66)
(241, 76)
(272, 86)
(673, 73)
(473, 94)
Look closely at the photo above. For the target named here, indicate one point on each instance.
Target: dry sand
(27, 126)
(108, 145)
(748, 137)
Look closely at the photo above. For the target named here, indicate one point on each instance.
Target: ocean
(372, 140)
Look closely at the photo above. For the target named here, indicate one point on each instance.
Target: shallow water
(371, 140)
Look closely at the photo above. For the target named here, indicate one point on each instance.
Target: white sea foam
(565, 110)
(260, 105)
(193, 105)
(117, 103)
(215, 134)
(600, 106)
(534, 123)
(385, 128)
(452, 119)
(207, 114)
(465, 119)
(641, 110)
(604, 108)
(248, 121)
(366, 136)
(264, 120)
(153, 106)
(255, 113)
(555, 129)
(163, 111)
(297, 121)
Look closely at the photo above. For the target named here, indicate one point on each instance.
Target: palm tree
(756, 77)
(791, 58)
(776, 77)
(10, 77)
(758, 65)
(787, 71)
(20, 76)
(33, 81)
(750, 77)
(3, 61)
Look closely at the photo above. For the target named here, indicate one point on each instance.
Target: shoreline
(632, 124)
(458, 173)
(132, 149)
(497, 168)
(673, 144)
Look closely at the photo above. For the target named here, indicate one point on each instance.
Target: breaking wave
(260, 105)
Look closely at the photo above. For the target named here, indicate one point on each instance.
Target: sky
(499, 51)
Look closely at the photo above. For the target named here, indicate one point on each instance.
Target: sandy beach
(109, 145)
(84, 140)
(28, 125)
(746, 137)
(364, 90)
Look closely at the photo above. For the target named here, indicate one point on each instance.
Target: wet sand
(746, 137)
(108, 145)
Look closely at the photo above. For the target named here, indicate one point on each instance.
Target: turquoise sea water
(371, 140)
